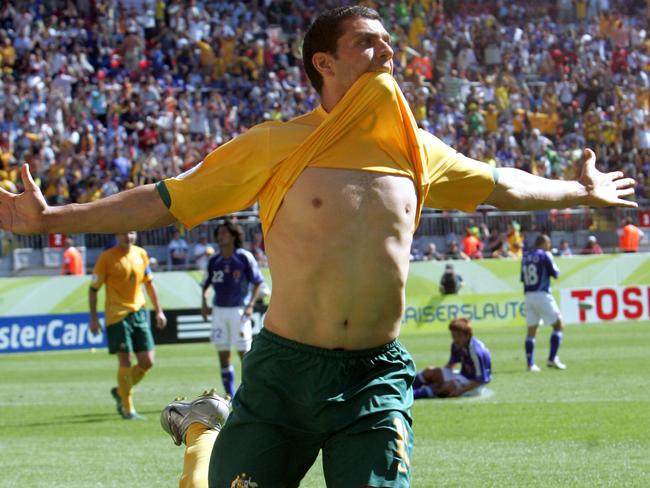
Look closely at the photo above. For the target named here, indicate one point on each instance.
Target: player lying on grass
(475, 366)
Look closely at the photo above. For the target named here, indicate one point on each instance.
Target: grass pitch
(587, 426)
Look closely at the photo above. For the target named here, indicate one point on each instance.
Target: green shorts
(131, 334)
(296, 400)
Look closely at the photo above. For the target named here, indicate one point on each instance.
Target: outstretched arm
(28, 212)
(518, 190)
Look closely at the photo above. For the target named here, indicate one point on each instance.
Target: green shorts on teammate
(296, 400)
(132, 334)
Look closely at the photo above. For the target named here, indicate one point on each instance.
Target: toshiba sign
(606, 304)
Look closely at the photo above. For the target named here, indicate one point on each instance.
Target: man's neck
(329, 98)
(228, 251)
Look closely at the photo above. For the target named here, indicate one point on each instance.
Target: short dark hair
(461, 325)
(541, 240)
(235, 230)
(323, 34)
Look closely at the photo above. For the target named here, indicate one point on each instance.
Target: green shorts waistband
(330, 353)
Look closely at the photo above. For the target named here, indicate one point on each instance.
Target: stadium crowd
(100, 96)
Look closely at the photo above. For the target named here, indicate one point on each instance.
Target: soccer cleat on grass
(133, 416)
(209, 409)
(555, 363)
(533, 368)
(118, 400)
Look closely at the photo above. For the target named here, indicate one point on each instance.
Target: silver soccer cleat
(209, 409)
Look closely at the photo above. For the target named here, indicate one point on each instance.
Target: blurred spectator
(432, 254)
(515, 239)
(133, 92)
(450, 281)
(177, 252)
(202, 252)
(564, 250)
(630, 236)
(453, 252)
(494, 242)
(503, 252)
(472, 245)
(72, 261)
(592, 246)
(257, 249)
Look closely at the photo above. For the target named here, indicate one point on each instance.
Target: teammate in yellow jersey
(340, 192)
(124, 268)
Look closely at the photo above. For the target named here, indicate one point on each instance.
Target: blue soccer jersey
(476, 361)
(231, 278)
(537, 267)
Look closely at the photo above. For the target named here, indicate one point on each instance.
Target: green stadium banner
(590, 289)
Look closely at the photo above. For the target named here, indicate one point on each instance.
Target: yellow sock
(137, 373)
(199, 441)
(124, 387)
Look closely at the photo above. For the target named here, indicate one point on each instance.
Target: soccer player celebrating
(340, 191)
(475, 366)
(537, 268)
(124, 268)
(231, 272)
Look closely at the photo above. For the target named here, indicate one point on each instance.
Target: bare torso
(338, 251)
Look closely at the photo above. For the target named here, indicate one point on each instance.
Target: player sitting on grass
(475, 370)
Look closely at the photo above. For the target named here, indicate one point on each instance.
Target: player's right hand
(205, 312)
(95, 326)
(23, 213)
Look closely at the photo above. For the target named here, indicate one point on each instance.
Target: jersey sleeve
(253, 270)
(482, 362)
(553, 269)
(228, 179)
(148, 274)
(99, 272)
(457, 182)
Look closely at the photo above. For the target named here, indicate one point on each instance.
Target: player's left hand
(248, 311)
(604, 189)
(161, 320)
(453, 389)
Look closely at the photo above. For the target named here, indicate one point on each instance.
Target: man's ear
(323, 64)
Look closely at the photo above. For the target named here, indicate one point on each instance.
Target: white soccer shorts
(541, 306)
(229, 331)
(450, 375)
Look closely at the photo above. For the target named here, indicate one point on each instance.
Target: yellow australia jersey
(370, 129)
(123, 272)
